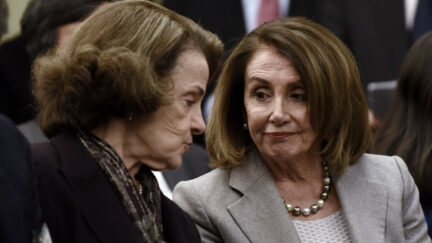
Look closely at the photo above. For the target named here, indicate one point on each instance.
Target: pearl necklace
(296, 211)
(140, 188)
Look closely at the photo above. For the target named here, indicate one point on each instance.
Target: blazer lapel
(260, 212)
(364, 204)
(99, 203)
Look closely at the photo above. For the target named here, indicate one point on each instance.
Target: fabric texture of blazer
(377, 195)
(79, 204)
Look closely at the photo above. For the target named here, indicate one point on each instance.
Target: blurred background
(16, 9)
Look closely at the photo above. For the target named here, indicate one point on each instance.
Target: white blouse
(333, 228)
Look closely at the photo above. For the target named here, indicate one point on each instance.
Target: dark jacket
(373, 30)
(79, 204)
(19, 210)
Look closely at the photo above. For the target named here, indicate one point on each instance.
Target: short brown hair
(116, 64)
(336, 103)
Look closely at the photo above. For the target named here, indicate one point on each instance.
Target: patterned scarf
(145, 209)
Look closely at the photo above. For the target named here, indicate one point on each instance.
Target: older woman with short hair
(288, 133)
(120, 99)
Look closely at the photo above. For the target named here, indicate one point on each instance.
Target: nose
(279, 115)
(198, 125)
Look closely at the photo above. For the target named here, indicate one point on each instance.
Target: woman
(122, 97)
(288, 133)
(407, 129)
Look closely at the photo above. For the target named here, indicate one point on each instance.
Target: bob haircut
(407, 128)
(336, 103)
(117, 64)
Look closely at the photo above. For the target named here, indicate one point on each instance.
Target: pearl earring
(245, 126)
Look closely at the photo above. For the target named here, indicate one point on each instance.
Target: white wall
(16, 9)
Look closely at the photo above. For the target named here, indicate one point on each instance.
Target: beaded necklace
(296, 210)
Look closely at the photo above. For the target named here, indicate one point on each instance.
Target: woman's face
(276, 108)
(166, 134)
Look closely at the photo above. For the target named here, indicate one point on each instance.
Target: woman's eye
(297, 96)
(261, 95)
(190, 102)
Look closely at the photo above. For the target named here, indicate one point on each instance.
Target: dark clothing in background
(15, 81)
(195, 163)
(225, 17)
(19, 209)
(374, 31)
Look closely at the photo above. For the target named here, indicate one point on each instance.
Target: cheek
(177, 127)
(255, 116)
(176, 122)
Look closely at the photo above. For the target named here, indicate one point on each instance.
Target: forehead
(190, 69)
(266, 62)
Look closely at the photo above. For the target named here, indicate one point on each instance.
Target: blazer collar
(99, 203)
(258, 211)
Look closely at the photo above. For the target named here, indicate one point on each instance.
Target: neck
(304, 168)
(115, 133)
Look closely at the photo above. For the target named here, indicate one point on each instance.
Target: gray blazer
(242, 204)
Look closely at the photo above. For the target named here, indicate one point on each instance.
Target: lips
(278, 135)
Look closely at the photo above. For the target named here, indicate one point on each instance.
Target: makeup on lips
(279, 135)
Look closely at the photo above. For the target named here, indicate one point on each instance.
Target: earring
(130, 117)
(245, 126)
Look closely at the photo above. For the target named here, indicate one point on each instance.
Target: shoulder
(389, 171)
(205, 199)
(15, 160)
(9, 133)
(178, 226)
(46, 160)
(378, 167)
(209, 185)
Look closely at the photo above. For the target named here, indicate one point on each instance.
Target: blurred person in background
(378, 33)
(407, 128)
(121, 98)
(45, 24)
(20, 216)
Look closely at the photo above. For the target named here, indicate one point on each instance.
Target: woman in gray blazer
(288, 133)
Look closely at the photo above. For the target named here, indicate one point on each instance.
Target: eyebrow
(297, 83)
(257, 80)
(196, 91)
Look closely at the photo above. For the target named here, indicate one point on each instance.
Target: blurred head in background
(48, 23)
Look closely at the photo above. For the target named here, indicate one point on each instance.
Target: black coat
(79, 204)
(19, 210)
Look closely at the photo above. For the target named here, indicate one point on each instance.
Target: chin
(174, 164)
